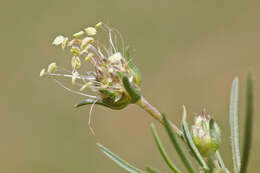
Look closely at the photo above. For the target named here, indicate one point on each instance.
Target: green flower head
(206, 134)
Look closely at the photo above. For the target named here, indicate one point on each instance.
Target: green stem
(144, 104)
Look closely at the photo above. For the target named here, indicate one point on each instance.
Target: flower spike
(114, 80)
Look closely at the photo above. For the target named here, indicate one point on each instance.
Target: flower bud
(206, 135)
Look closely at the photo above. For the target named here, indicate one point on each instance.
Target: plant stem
(144, 104)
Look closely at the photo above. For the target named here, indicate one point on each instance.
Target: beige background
(187, 50)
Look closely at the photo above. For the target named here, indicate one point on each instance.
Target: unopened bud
(206, 135)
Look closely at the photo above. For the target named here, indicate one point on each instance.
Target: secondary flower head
(114, 79)
(206, 134)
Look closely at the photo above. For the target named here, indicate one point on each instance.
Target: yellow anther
(116, 57)
(85, 86)
(58, 40)
(91, 31)
(86, 41)
(74, 42)
(64, 43)
(75, 50)
(75, 62)
(89, 56)
(85, 49)
(98, 25)
(74, 77)
(42, 73)
(78, 34)
(52, 67)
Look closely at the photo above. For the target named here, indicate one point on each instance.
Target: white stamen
(90, 115)
(73, 91)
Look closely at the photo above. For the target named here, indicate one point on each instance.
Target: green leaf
(119, 161)
(233, 117)
(189, 141)
(162, 151)
(178, 146)
(134, 93)
(151, 170)
(248, 125)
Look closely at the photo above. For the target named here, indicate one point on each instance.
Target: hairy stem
(144, 104)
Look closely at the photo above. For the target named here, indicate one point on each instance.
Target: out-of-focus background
(188, 52)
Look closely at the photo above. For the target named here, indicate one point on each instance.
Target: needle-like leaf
(248, 125)
(119, 161)
(162, 151)
(151, 170)
(178, 146)
(233, 117)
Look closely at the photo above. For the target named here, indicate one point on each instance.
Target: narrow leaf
(233, 116)
(178, 146)
(162, 151)
(221, 162)
(119, 161)
(248, 125)
(151, 170)
(189, 140)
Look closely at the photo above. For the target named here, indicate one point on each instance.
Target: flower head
(206, 134)
(114, 80)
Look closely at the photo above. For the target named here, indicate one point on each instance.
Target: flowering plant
(115, 82)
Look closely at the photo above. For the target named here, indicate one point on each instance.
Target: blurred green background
(188, 51)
